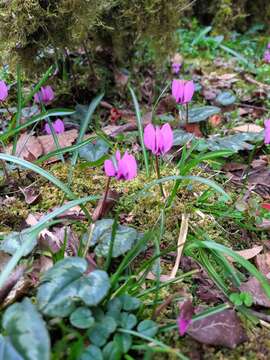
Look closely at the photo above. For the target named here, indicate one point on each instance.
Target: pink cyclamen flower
(58, 126)
(268, 45)
(176, 67)
(267, 131)
(266, 56)
(124, 168)
(45, 95)
(182, 90)
(3, 91)
(158, 140)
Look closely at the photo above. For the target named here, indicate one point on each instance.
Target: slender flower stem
(159, 177)
(5, 170)
(107, 188)
(186, 113)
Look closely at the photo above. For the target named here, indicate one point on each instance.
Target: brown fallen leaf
(28, 147)
(65, 139)
(248, 253)
(12, 280)
(100, 211)
(221, 329)
(215, 120)
(262, 262)
(253, 287)
(193, 129)
(30, 194)
(248, 128)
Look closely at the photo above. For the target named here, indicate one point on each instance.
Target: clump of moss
(39, 32)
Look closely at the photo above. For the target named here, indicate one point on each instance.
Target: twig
(180, 243)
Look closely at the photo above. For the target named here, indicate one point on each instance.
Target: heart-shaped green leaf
(92, 352)
(130, 303)
(27, 331)
(82, 318)
(94, 151)
(202, 113)
(226, 98)
(125, 238)
(128, 321)
(13, 241)
(100, 332)
(65, 284)
(7, 351)
(147, 328)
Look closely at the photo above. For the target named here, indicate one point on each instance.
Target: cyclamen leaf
(82, 318)
(202, 113)
(65, 284)
(92, 352)
(27, 331)
(7, 351)
(94, 151)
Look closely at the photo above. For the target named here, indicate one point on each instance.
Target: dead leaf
(248, 128)
(28, 147)
(248, 253)
(215, 120)
(262, 262)
(100, 211)
(13, 278)
(221, 329)
(30, 194)
(193, 129)
(65, 139)
(253, 286)
(185, 317)
(120, 78)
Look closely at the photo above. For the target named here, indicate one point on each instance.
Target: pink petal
(47, 129)
(109, 168)
(131, 166)
(149, 137)
(183, 325)
(59, 126)
(118, 155)
(267, 131)
(185, 317)
(167, 135)
(189, 91)
(178, 90)
(3, 91)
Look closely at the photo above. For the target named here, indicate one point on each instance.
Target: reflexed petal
(178, 90)
(3, 91)
(59, 126)
(109, 168)
(131, 165)
(118, 155)
(167, 136)
(149, 137)
(267, 131)
(189, 91)
(47, 129)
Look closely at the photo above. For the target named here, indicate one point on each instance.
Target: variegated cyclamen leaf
(27, 331)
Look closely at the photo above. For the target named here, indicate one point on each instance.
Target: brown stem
(186, 113)
(104, 197)
(158, 176)
(5, 170)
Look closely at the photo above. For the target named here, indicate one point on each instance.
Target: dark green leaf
(92, 352)
(123, 341)
(7, 351)
(100, 332)
(202, 113)
(128, 321)
(226, 98)
(82, 318)
(148, 328)
(125, 238)
(27, 331)
(181, 137)
(129, 302)
(65, 283)
(112, 351)
(94, 151)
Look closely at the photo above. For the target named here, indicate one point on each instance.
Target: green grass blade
(32, 233)
(140, 129)
(19, 107)
(34, 119)
(84, 126)
(239, 259)
(198, 179)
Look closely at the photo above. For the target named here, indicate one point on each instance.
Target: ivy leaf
(226, 98)
(202, 113)
(100, 332)
(7, 351)
(82, 318)
(147, 328)
(124, 240)
(65, 284)
(92, 352)
(27, 331)
(93, 152)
